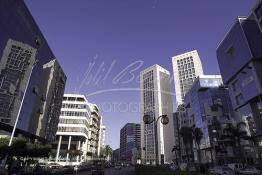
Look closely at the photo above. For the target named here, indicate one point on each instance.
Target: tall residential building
(156, 100)
(208, 104)
(77, 131)
(94, 131)
(187, 67)
(23, 54)
(129, 141)
(239, 57)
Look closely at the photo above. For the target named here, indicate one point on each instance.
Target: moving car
(98, 168)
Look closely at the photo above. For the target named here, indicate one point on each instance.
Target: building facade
(187, 67)
(77, 136)
(239, 57)
(129, 141)
(48, 105)
(73, 130)
(23, 53)
(208, 104)
(156, 100)
(94, 131)
(102, 138)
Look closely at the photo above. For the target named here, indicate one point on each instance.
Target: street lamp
(148, 120)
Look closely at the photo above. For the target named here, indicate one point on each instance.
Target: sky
(102, 45)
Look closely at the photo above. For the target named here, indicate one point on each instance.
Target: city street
(112, 171)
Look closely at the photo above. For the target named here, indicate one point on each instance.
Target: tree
(108, 151)
(3, 147)
(187, 136)
(198, 135)
(235, 134)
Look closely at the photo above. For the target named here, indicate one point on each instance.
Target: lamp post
(148, 120)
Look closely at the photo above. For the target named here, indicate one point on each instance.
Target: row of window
(72, 129)
(74, 106)
(72, 121)
(74, 113)
(185, 60)
(73, 99)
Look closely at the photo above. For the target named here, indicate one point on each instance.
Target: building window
(230, 52)
(239, 99)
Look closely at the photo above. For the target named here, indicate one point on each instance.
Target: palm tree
(235, 134)
(3, 147)
(176, 149)
(198, 135)
(187, 136)
(108, 151)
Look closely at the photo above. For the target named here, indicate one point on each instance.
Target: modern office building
(23, 53)
(78, 131)
(187, 67)
(208, 102)
(129, 140)
(156, 101)
(239, 57)
(73, 130)
(102, 138)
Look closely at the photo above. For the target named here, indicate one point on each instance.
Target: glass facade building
(209, 101)
(23, 49)
(240, 60)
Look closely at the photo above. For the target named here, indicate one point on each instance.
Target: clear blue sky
(114, 34)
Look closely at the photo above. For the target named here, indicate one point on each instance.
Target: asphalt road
(112, 171)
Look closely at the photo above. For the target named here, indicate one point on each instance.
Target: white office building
(187, 67)
(102, 137)
(156, 100)
(78, 131)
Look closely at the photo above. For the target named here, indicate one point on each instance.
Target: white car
(250, 171)
(235, 167)
(118, 167)
(222, 170)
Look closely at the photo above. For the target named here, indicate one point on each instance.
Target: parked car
(236, 167)
(2, 170)
(250, 170)
(222, 170)
(191, 167)
(67, 169)
(118, 167)
(57, 169)
(174, 167)
(98, 168)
